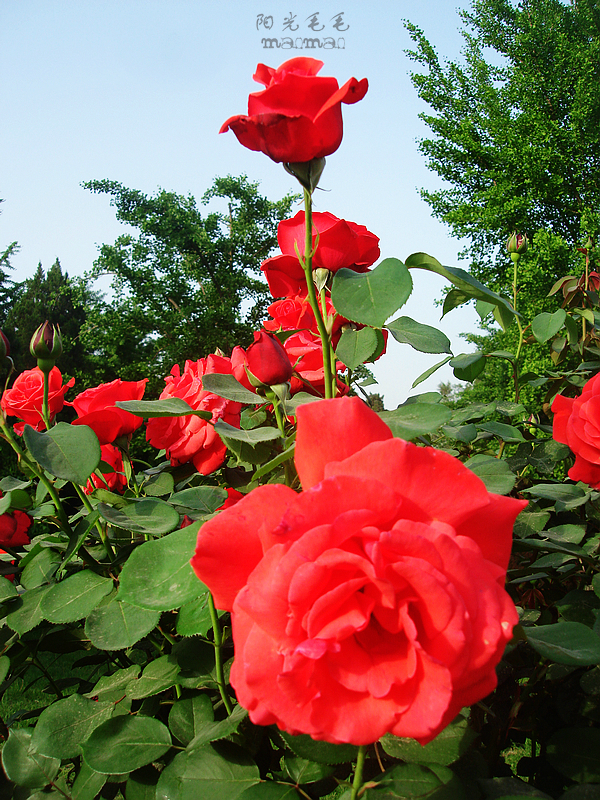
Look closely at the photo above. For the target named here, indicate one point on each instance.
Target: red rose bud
(268, 360)
(4, 347)
(46, 345)
(517, 243)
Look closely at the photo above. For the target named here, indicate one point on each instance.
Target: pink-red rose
(26, 396)
(577, 424)
(267, 359)
(340, 244)
(96, 409)
(192, 439)
(298, 116)
(114, 481)
(371, 602)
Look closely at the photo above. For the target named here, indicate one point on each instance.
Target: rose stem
(312, 296)
(357, 782)
(218, 661)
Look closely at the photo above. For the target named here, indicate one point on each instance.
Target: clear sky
(136, 92)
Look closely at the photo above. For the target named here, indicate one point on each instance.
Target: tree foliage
(516, 139)
(187, 283)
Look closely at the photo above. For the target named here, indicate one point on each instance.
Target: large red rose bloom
(298, 116)
(26, 396)
(96, 408)
(577, 424)
(371, 602)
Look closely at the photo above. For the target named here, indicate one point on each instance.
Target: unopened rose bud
(4, 347)
(268, 361)
(46, 345)
(320, 277)
(517, 243)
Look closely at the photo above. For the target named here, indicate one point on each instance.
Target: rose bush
(25, 398)
(191, 439)
(577, 424)
(371, 602)
(298, 116)
(96, 408)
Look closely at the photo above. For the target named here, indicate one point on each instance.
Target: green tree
(187, 284)
(55, 297)
(516, 139)
(7, 286)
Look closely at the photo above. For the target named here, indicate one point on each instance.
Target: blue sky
(136, 92)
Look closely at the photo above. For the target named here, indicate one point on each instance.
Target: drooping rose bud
(517, 243)
(268, 361)
(4, 347)
(46, 345)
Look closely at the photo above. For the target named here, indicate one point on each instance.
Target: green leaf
(23, 765)
(371, 297)
(194, 617)
(227, 431)
(356, 346)
(415, 780)
(40, 569)
(566, 643)
(231, 389)
(455, 298)
(410, 421)
(575, 752)
(159, 485)
(4, 667)
(158, 575)
(112, 688)
(201, 498)
(125, 743)
(148, 515)
(468, 366)
(213, 731)
(462, 433)
(447, 747)
(87, 784)
(29, 614)
(424, 375)
(421, 337)
(461, 279)
(70, 452)
(187, 717)
(302, 771)
(159, 675)
(205, 773)
(494, 472)
(545, 325)
(168, 407)
(64, 725)
(117, 625)
(141, 784)
(7, 589)
(75, 597)
(508, 433)
(269, 790)
(321, 752)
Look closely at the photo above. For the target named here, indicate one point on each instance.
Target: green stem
(515, 260)
(358, 772)
(45, 405)
(306, 263)
(218, 634)
(103, 535)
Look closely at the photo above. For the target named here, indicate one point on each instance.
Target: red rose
(13, 528)
(26, 396)
(577, 424)
(114, 481)
(298, 116)
(371, 602)
(267, 359)
(96, 408)
(191, 438)
(340, 244)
